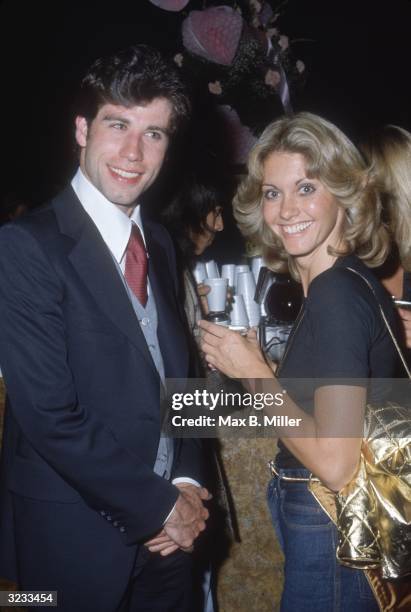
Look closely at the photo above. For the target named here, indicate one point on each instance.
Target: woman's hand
(235, 355)
(406, 322)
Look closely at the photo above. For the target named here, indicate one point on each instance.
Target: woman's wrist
(261, 370)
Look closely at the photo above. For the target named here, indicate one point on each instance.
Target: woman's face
(300, 210)
(213, 223)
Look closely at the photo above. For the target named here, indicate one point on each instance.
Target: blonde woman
(308, 201)
(389, 153)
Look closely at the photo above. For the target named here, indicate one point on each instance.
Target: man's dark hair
(134, 76)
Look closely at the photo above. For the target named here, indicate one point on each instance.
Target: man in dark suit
(95, 503)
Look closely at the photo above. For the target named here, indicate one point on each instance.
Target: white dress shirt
(113, 224)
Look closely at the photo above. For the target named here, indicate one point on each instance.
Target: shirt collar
(113, 225)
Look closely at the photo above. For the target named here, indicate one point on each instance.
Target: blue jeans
(314, 580)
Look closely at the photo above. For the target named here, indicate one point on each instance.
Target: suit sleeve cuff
(186, 479)
(177, 481)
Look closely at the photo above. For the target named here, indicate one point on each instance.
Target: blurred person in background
(13, 206)
(388, 151)
(194, 218)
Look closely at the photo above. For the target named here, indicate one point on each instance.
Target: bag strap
(387, 325)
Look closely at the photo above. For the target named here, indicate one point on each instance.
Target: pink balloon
(213, 33)
(170, 5)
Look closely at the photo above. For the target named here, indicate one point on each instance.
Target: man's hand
(185, 522)
(202, 291)
(164, 545)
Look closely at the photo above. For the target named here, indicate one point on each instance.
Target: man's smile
(125, 174)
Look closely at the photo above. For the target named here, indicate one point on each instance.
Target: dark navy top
(339, 333)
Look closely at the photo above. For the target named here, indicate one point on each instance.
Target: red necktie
(136, 265)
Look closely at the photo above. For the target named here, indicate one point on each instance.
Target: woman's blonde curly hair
(332, 159)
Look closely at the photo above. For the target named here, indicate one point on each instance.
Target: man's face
(123, 149)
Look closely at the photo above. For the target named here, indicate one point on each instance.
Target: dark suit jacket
(83, 422)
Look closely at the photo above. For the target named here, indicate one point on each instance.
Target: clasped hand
(185, 523)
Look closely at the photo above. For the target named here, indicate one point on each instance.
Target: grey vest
(148, 320)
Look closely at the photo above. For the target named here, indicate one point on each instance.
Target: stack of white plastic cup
(228, 272)
(238, 314)
(246, 288)
(217, 296)
(256, 264)
(212, 269)
(239, 270)
(200, 272)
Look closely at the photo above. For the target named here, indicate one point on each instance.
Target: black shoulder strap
(387, 325)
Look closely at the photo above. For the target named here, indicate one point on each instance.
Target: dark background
(357, 56)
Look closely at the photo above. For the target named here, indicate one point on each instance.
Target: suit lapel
(95, 265)
(170, 332)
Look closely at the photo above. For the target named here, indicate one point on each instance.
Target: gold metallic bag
(391, 595)
(374, 508)
(373, 511)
